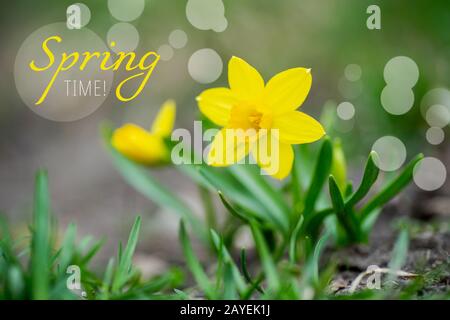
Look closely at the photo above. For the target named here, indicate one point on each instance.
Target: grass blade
(266, 258)
(40, 253)
(400, 251)
(229, 285)
(126, 258)
(194, 264)
(228, 260)
(67, 248)
(293, 240)
(246, 273)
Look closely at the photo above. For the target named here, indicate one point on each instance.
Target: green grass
(291, 225)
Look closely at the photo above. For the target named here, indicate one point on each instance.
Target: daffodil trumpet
(267, 114)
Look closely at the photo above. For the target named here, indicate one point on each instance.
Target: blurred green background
(326, 36)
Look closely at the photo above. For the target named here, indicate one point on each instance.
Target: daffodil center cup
(249, 117)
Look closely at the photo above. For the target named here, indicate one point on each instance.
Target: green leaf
(92, 251)
(392, 189)
(15, 283)
(193, 263)
(321, 172)
(222, 250)
(233, 211)
(125, 261)
(277, 212)
(370, 176)
(227, 185)
(67, 248)
(400, 251)
(310, 274)
(344, 214)
(138, 178)
(168, 279)
(293, 240)
(107, 279)
(229, 288)
(311, 226)
(266, 258)
(297, 189)
(318, 249)
(248, 277)
(40, 253)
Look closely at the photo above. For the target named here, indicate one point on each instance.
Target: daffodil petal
(297, 127)
(216, 104)
(139, 145)
(274, 157)
(165, 119)
(244, 80)
(227, 148)
(287, 90)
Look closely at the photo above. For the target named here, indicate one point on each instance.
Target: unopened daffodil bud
(339, 165)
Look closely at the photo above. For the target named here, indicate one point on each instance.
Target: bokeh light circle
(345, 110)
(353, 72)
(221, 25)
(85, 13)
(397, 100)
(207, 14)
(178, 39)
(166, 52)
(65, 101)
(401, 71)
(205, 65)
(391, 153)
(435, 135)
(435, 96)
(126, 10)
(122, 36)
(438, 116)
(429, 174)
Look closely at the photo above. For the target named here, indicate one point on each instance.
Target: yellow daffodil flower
(251, 104)
(147, 147)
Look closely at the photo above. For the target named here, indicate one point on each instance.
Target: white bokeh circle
(123, 37)
(178, 39)
(66, 100)
(439, 96)
(345, 110)
(126, 10)
(429, 174)
(397, 100)
(207, 14)
(85, 14)
(166, 52)
(435, 135)
(352, 72)
(401, 71)
(438, 116)
(391, 153)
(205, 65)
